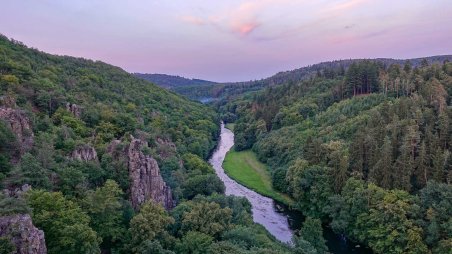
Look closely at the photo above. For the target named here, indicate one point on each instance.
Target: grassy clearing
(245, 168)
(230, 126)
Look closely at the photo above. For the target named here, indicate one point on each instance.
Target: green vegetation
(230, 126)
(222, 93)
(364, 148)
(84, 206)
(245, 168)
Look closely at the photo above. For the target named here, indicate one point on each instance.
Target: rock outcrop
(84, 153)
(144, 174)
(17, 192)
(20, 126)
(75, 109)
(26, 238)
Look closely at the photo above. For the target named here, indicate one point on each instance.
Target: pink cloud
(241, 20)
(245, 28)
(193, 20)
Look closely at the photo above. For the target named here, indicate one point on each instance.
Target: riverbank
(246, 169)
(230, 126)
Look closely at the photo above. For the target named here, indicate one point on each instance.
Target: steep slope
(58, 114)
(366, 150)
(104, 162)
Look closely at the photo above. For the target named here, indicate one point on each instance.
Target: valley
(340, 157)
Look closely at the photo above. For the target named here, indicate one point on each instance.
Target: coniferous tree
(422, 166)
(381, 171)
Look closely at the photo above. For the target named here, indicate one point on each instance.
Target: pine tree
(312, 232)
(422, 166)
(440, 159)
(444, 128)
(381, 172)
(406, 161)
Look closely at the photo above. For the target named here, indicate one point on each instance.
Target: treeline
(366, 149)
(196, 89)
(75, 106)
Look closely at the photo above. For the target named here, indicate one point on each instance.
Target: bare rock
(17, 192)
(146, 181)
(84, 153)
(8, 101)
(144, 173)
(23, 234)
(20, 126)
(75, 109)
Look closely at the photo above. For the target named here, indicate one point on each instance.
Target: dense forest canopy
(79, 139)
(105, 162)
(365, 149)
(172, 82)
(199, 89)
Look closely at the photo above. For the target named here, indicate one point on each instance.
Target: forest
(79, 141)
(364, 149)
(96, 160)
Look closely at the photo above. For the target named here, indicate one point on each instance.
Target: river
(279, 222)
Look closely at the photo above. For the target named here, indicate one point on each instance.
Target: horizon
(230, 41)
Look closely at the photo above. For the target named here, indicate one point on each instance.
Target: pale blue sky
(229, 40)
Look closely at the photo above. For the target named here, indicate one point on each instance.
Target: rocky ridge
(26, 238)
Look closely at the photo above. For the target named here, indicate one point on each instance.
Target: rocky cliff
(20, 126)
(84, 153)
(75, 109)
(144, 174)
(26, 238)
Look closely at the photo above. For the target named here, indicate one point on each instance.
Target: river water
(278, 221)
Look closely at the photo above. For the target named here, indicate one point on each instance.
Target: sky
(229, 40)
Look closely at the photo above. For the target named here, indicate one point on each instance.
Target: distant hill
(170, 81)
(201, 89)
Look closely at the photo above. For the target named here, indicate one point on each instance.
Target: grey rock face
(144, 174)
(146, 181)
(17, 192)
(75, 109)
(20, 126)
(84, 153)
(23, 234)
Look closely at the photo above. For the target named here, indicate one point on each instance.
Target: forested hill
(169, 81)
(96, 160)
(228, 90)
(366, 150)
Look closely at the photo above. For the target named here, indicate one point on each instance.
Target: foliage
(75, 102)
(195, 243)
(149, 223)
(364, 147)
(207, 218)
(66, 226)
(312, 233)
(6, 246)
(104, 206)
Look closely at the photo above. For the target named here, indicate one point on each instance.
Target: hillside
(365, 149)
(227, 90)
(96, 160)
(171, 82)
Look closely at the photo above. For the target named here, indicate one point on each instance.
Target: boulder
(146, 181)
(26, 238)
(84, 153)
(20, 126)
(75, 109)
